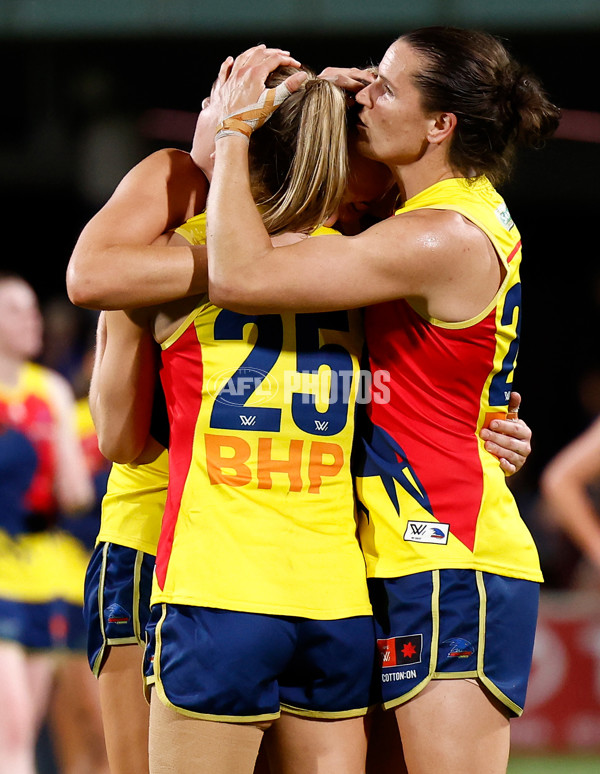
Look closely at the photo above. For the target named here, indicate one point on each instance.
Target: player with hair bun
(453, 571)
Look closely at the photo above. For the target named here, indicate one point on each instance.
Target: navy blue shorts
(449, 624)
(34, 625)
(77, 630)
(248, 667)
(116, 605)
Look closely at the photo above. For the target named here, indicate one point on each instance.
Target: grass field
(554, 764)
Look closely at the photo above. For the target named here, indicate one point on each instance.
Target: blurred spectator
(570, 487)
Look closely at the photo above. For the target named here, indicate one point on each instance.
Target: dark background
(78, 113)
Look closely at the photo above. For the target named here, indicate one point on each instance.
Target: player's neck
(10, 370)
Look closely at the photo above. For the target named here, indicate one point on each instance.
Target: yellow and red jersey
(260, 510)
(431, 496)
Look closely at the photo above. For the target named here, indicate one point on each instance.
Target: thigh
(75, 718)
(125, 711)
(180, 744)
(41, 670)
(299, 745)
(454, 725)
(17, 708)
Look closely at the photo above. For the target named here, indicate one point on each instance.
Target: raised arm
(114, 266)
(411, 255)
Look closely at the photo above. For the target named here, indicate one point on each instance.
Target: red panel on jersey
(434, 405)
(182, 376)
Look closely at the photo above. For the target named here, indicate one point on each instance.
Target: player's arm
(114, 264)
(122, 385)
(564, 486)
(73, 485)
(413, 255)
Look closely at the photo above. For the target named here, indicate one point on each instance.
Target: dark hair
(299, 158)
(498, 103)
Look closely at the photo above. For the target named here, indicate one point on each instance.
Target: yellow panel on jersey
(260, 511)
(431, 496)
(133, 506)
(28, 568)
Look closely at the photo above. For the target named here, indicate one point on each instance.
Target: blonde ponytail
(299, 159)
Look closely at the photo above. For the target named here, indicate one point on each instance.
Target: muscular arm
(564, 485)
(413, 255)
(438, 259)
(114, 265)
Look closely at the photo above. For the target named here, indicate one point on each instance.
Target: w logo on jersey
(247, 421)
(384, 457)
(320, 425)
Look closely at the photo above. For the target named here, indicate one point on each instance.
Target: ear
(442, 128)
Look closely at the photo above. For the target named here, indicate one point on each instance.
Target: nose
(363, 97)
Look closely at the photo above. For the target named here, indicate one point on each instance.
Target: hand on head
(244, 100)
(351, 79)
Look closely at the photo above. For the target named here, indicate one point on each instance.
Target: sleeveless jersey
(431, 496)
(260, 510)
(29, 408)
(28, 566)
(133, 506)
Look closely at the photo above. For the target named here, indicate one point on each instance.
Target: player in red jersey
(37, 403)
(440, 283)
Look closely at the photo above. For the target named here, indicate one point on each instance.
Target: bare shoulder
(437, 227)
(166, 162)
(427, 236)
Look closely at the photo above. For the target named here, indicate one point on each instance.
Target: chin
(364, 148)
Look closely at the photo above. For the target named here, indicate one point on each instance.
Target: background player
(38, 403)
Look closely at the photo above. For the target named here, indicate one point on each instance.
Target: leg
(125, 712)
(297, 745)
(454, 725)
(17, 713)
(75, 719)
(41, 668)
(180, 744)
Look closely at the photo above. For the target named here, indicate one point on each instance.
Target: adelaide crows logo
(378, 454)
